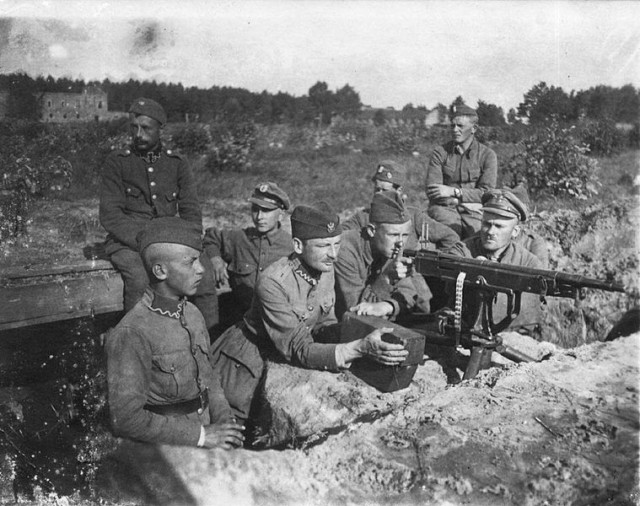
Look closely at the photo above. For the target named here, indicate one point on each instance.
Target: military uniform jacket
(135, 191)
(474, 171)
(248, 253)
(358, 279)
(515, 254)
(290, 306)
(439, 234)
(152, 358)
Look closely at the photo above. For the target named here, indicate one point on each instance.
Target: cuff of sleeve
(212, 251)
(396, 306)
(202, 438)
(341, 358)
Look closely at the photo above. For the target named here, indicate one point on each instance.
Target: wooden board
(31, 296)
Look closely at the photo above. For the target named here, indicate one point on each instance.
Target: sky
(391, 52)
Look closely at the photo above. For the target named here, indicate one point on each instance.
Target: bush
(553, 162)
(602, 137)
(232, 148)
(400, 139)
(192, 139)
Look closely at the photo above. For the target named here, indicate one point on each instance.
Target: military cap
(148, 107)
(391, 172)
(388, 207)
(315, 222)
(170, 230)
(463, 110)
(270, 196)
(504, 203)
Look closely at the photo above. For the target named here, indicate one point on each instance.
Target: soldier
(502, 215)
(161, 386)
(369, 280)
(292, 315)
(459, 173)
(139, 185)
(240, 255)
(391, 175)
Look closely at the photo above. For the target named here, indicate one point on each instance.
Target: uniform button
(153, 183)
(169, 151)
(237, 366)
(150, 169)
(259, 268)
(310, 308)
(154, 197)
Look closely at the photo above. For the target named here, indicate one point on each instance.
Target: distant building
(90, 105)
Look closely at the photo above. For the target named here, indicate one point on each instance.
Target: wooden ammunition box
(383, 377)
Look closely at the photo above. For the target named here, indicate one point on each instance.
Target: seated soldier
(292, 311)
(459, 173)
(161, 386)
(502, 214)
(240, 255)
(391, 175)
(370, 277)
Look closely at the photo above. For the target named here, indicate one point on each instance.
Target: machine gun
(484, 280)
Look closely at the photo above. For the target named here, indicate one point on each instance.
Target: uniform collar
(467, 152)
(310, 275)
(270, 236)
(165, 306)
(149, 156)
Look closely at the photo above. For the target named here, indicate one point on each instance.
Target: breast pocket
(170, 374)
(135, 199)
(171, 202)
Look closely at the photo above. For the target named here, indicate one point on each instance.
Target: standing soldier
(459, 173)
(139, 185)
(240, 255)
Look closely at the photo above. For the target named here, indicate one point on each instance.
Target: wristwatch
(457, 193)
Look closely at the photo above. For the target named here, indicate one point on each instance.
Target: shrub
(232, 148)
(400, 139)
(553, 162)
(602, 137)
(192, 139)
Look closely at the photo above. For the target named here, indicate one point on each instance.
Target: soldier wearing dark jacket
(161, 386)
(391, 175)
(140, 185)
(459, 173)
(239, 256)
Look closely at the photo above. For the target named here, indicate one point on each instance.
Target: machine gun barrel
(519, 279)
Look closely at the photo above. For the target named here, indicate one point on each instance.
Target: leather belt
(199, 404)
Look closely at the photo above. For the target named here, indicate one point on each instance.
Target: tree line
(541, 103)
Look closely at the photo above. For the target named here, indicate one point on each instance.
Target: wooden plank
(35, 295)
(31, 297)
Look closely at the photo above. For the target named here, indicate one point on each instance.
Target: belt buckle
(203, 397)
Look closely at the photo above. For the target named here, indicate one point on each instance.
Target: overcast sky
(391, 52)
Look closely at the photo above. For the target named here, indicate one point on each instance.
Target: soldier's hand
(386, 353)
(439, 191)
(380, 309)
(220, 274)
(396, 271)
(225, 435)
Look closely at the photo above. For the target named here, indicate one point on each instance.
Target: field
(582, 449)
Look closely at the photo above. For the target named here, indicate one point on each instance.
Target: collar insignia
(304, 275)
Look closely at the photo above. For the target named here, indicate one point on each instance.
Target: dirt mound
(562, 431)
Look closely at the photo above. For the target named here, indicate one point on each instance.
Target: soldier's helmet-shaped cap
(170, 230)
(388, 207)
(150, 108)
(391, 172)
(505, 204)
(463, 110)
(315, 222)
(270, 196)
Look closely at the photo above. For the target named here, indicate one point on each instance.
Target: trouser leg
(470, 223)
(134, 275)
(447, 216)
